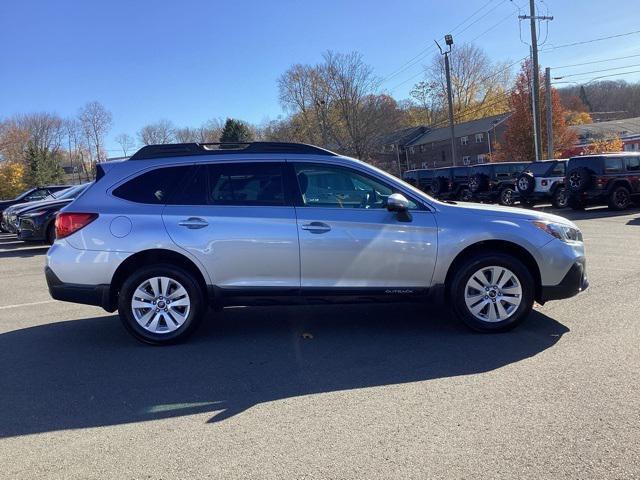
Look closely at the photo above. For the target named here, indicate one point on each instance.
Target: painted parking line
(6, 307)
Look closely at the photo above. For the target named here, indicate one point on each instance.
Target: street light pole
(449, 41)
(547, 88)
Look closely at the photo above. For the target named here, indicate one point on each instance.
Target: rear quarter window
(152, 187)
(633, 164)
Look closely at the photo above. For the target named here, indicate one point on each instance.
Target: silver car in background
(180, 228)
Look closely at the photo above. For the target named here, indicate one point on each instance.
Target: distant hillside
(605, 98)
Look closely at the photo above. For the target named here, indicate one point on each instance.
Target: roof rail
(224, 148)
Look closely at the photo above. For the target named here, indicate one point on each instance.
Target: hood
(51, 204)
(17, 207)
(500, 212)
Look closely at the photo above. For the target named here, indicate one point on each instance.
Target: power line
(582, 82)
(423, 53)
(596, 71)
(411, 62)
(555, 47)
(595, 61)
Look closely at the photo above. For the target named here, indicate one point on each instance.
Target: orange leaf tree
(518, 143)
(604, 145)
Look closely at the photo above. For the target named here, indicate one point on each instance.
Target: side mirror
(396, 202)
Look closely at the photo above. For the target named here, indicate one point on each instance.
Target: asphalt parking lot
(328, 392)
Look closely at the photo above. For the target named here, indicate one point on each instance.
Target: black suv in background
(420, 178)
(451, 183)
(543, 182)
(612, 179)
(489, 182)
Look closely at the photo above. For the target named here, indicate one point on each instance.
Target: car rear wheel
(560, 198)
(161, 304)
(619, 198)
(492, 292)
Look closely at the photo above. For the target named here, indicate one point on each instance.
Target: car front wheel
(560, 198)
(161, 304)
(492, 292)
(506, 197)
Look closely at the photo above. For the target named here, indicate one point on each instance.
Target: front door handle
(316, 227)
(193, 223)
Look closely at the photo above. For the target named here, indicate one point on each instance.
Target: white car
(543, 182)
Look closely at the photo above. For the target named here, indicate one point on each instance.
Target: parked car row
(606, 179)
(34, 218)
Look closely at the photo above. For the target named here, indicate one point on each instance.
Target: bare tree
(479, 86)
(96, 122)
(126, 142)
(336, 104)
(157, 133)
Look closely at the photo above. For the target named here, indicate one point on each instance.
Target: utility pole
(449, 41)
(536, 79)
(547, 90)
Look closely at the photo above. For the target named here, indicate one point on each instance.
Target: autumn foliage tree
(518, 144)
(604, 145)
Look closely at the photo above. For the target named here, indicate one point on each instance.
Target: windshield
(72, 192)
(58, 194)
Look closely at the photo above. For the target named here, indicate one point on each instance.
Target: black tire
(619, 198)
(578, 179)
(465, 195)
(507, 197)
(469, 267)
(575, 203)
(526, 183)
(196, 312)
(560, 198)
(50, 236)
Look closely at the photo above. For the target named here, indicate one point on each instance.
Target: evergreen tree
(43, 168)
(235, 131)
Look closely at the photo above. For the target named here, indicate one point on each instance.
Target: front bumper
(574, 282)
(98, 295)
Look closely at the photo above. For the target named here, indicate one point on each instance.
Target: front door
(237, 220)
(348, 239)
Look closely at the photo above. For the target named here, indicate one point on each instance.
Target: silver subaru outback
(180, 228)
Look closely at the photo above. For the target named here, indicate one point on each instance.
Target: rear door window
(153, 187)
(234, 184)
(612, 165)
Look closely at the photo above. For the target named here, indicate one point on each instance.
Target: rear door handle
(316, 227)
(193, 223)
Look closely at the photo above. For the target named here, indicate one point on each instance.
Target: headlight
(559, 231)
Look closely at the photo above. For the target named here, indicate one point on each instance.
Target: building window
(479, 137)
(464, 140)
(412, 150)
(466, 160)
(421, 148)
(482, 158)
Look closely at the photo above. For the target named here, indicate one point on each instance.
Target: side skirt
(265, 296)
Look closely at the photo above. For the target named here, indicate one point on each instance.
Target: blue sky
(190, 60)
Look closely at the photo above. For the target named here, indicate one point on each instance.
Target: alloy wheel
(493, 294)
(160, 305)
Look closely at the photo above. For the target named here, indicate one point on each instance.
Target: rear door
(348, 239)
(238, 220)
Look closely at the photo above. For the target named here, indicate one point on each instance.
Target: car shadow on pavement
(89, 372)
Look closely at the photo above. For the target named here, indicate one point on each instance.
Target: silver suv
(178, 228)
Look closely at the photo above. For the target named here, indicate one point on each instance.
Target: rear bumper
(98, 295)
(574, 282)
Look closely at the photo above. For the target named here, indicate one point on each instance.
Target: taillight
(600, 181)
(71, 222)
